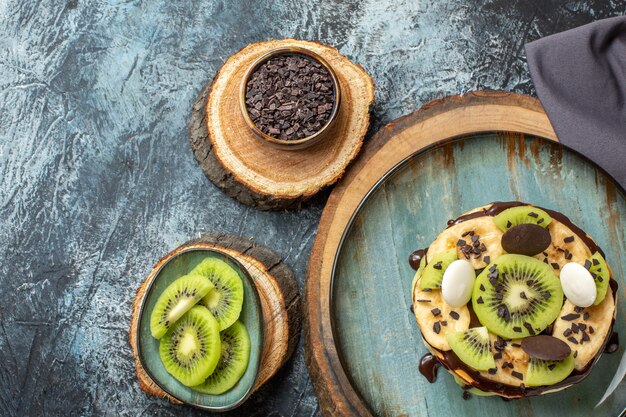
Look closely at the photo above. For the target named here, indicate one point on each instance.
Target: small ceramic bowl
(296, 143)
(251, 315)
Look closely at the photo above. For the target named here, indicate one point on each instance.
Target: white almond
(578, 284)
(458, 283)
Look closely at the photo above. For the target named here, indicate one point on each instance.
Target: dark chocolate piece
(547, 348)
(526, 239)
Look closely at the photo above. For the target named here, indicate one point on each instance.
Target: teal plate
(378, 340)
(251, 315)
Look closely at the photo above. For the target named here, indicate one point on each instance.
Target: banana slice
(484, 240)
(509, 358)
(584, 330)
(436, 318)
(561, 252)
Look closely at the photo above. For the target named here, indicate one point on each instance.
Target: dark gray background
(98, 180)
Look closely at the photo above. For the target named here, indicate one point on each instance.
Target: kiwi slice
(433, 272)
(418, 273)
(190, 350)
(548, 372)
(472, 347)
(233, 361)
(517, 296)
(176, 300)
(600, 272)
(521, 214)
(225, 300)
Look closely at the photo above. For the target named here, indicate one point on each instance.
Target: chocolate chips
(290, 96)
(435, 311)
(472, 249)
(517, 375)
(570, 316)
(547, 348)
(454, 315)
(526, 239)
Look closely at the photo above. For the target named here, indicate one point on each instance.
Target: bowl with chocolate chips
(290, 98)
(514, 300)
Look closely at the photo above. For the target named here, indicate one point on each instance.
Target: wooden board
(279, 296)
(362, 344)
(254, 172)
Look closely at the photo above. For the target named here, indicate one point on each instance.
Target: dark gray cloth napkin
(580, 78)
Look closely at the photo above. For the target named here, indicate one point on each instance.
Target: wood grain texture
(278, 293)
(256, 173)
(436, 121)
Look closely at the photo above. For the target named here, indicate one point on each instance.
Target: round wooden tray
(251, 170)
(434, 122)
(278, 292)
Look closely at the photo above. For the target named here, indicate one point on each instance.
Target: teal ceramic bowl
(148, 347)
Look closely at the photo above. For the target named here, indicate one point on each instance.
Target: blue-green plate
(251, 315)
(376, 335)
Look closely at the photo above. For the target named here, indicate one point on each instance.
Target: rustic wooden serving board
(362, 343)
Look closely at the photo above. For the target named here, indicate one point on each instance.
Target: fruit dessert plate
(514, 300)
(200, 330)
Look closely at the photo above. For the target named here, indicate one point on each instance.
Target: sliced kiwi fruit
(520, 215)
(517, 296)
(433, 272)
(225, 300)
(190, 350)
(233, 361)
(418, 273)
(548, 372)
(176, 300)
(472, 347)
(600, 272)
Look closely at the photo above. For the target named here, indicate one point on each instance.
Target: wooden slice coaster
(251, 170)
(278, 291)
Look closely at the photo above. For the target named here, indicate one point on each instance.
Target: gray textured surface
(98, 179)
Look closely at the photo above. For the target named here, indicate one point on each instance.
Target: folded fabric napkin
(580, 78)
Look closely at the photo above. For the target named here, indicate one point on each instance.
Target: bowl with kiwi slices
(513, 300)
(200, 332)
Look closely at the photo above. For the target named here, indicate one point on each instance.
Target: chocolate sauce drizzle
(451, 361)
(415, 258)
(428, 367)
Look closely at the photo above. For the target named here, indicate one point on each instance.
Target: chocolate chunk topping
(508, 224)
(423, 301)
(572, 339)
(579, 309)
(444, 323)
(585, 337)
(290, 96)
(492, 371)
(575, 354)
(482, 287)
(568, 239)
(479, 300)
(497, 355)
(517, 375)
(587, 264)
(526, 239)
(437, 266)
(570, 316)
(555, 265)
(435, 311)
(436, 327)
(568, 255)
(461, 242)
(575, 328)
(567, 332)
(591, 330)
(486, 259)
(454, 315)
(596, 262)
(547, 348)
